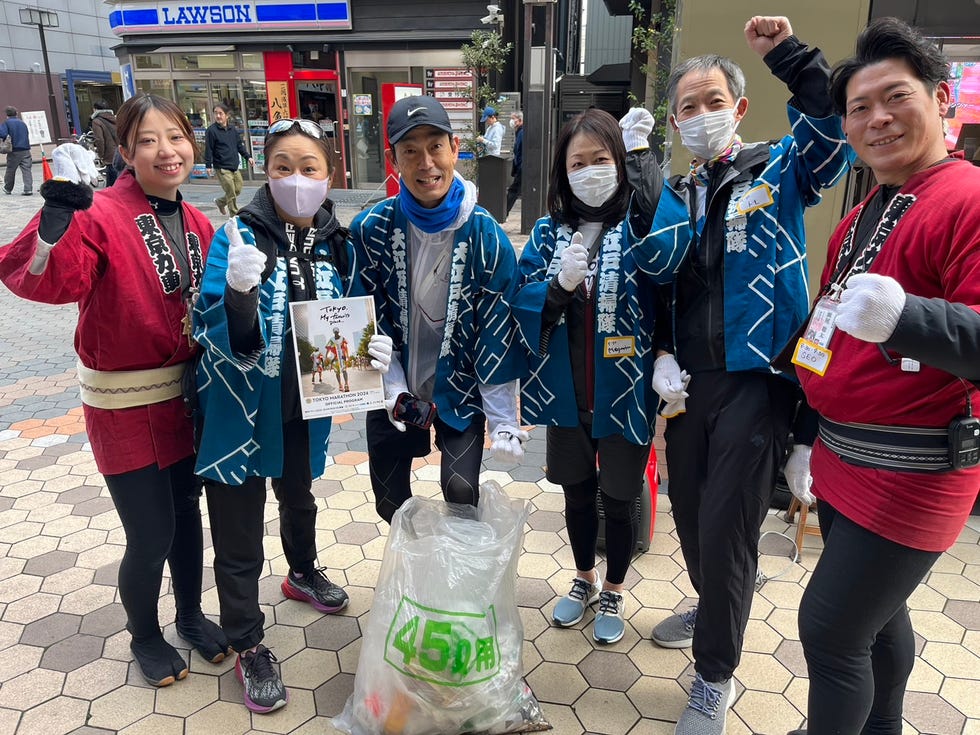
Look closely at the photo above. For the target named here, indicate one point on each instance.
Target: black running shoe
(264, 690)
(315, 589)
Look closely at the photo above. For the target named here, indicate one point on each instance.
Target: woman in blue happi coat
(586, 311)
(285, 246)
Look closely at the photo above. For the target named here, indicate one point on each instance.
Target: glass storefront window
(252, 62)
(151, 61)
(159, 87)
(204, 61)
(192, 97)
(256, 119)
(367, 141)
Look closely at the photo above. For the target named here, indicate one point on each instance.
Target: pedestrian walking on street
(104, 127)
(131, 257)
(517, 166)
(19, 156)
(222, 146)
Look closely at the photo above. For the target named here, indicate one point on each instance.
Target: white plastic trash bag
(441, 653)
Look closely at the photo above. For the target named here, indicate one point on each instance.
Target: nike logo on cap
(412, 112)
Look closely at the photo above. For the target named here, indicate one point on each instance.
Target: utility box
(492, 179)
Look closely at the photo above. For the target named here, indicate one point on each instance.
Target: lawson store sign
(154, 17)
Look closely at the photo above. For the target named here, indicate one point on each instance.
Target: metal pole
(55, 124)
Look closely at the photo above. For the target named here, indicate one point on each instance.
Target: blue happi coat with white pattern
(479, 344)
(241, 394)
(628, 264)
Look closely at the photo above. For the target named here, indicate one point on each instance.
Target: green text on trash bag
(443, 647)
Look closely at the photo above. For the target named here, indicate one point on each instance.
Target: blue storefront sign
(155, 17)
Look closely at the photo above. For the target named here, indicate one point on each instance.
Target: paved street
(65, 664)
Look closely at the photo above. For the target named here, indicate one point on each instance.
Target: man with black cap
(442, 273)
(493, 134)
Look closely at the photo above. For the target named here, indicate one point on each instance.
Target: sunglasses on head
(286, 124)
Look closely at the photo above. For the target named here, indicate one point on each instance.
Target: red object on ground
(46, 169)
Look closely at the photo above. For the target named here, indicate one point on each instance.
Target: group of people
(634, 296)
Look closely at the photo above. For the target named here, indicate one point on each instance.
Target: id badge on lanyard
(813, 351)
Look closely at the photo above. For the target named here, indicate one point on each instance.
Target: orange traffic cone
(45, 168)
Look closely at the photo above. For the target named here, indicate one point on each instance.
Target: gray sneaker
(707, 708)
(571, 607)
(677, 631)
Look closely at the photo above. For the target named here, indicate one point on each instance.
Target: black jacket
(699, 312)
(222, 146)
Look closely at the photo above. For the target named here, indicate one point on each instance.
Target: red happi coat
(116, 264)
(933, 252)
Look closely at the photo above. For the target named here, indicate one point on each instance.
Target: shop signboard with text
(133, 16)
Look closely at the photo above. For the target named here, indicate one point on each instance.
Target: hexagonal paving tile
(554, 682)
(330, 697)
(31, 688)
(332, 632)
(50, 629)
(931, 713)
(50, 563)
(609, 670)
(72, 653)
(54, 717)
(602, 711)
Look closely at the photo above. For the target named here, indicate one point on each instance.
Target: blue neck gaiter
(438, 218)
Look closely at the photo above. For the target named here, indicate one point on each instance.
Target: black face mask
(611, 213)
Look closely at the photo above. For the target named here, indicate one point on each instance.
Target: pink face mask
(298, 195)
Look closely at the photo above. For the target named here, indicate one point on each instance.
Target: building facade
(329, 61)
(83, 67)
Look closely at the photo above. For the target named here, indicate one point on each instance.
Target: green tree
(306, 352)
(484, 57)
(653, 40)
(362, 346)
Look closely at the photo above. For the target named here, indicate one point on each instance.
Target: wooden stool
(802, 529)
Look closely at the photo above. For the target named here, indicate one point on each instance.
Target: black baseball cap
(411, 112)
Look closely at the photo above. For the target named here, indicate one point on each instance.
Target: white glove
(870, 307)
(506, 443)
(574, 264)
(395, 385)
(668, 379)
(379, 347)
(797, 471)
(74, 163)
(245, 262)
(678, 405)
(637, 124)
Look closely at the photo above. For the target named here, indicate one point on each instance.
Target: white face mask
(593, 185)
(298, 195)
(513, 123)
(709, 134)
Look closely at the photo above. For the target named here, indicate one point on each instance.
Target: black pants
(390, 455)
(723, 456)
(160, 511)
(513, 191)
(238, 526)
(855, 628)
(572, 456)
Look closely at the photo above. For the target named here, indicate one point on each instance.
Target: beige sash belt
(129, 388)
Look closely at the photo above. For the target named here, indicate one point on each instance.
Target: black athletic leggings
(855, 628)
(582, 522)
(161, 515)
(391, 452)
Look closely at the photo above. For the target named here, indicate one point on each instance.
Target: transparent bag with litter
(441, 653)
